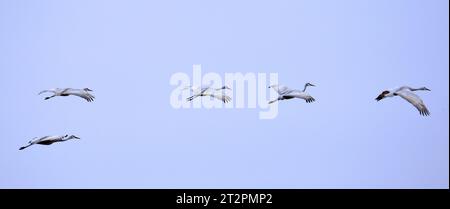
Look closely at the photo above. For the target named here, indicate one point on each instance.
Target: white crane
(208, 91)
(286, 93)
(47, 140)
(406, 93)
(83, 93)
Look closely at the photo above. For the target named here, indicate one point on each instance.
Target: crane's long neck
(420, 89)
(304, 89)
(66, 138)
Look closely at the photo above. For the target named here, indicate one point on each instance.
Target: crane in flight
(287, 93)
(208, 91)
(83, 93)
(47, 140)
(407, 94)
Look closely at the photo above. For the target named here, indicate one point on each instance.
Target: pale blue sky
(132, 138)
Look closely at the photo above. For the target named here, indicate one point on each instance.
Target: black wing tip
(310, 100)
(425, 113)
(226, 100)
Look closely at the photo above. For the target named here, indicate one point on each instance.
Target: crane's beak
(312, 84)
(427, 89)
(380, 97)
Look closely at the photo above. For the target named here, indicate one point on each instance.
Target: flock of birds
(47, 140)
(284, 93)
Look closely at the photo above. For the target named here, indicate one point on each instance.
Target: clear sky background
(132, 138)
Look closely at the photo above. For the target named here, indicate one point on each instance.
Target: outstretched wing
(222, 97)
(301, 95)
(83, 94)
(197, 90)
(47, 91)
(280, 89)
(414, 100)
